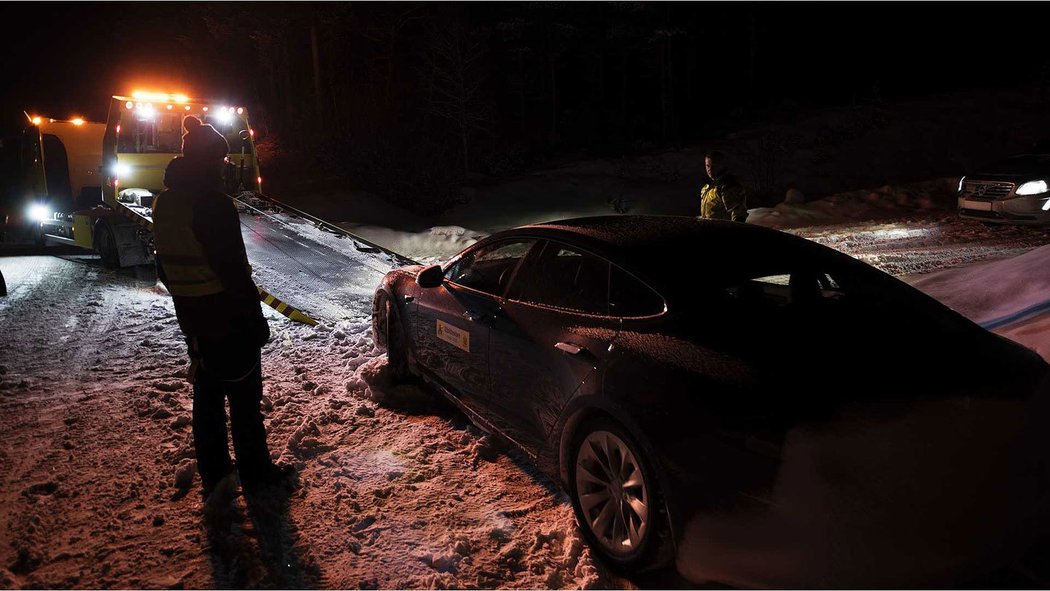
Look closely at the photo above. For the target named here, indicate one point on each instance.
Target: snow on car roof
(657, 247)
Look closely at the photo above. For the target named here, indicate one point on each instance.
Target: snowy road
(923, 244)
(97, 467)
(398, 490)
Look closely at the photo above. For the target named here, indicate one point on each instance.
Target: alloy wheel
(612, 493)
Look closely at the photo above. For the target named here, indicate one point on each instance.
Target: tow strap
(291, 312)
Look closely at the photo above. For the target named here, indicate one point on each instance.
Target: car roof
(660, 248)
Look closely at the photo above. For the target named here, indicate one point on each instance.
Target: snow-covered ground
(398, 489)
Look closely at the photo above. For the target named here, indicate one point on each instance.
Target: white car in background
(1012, 191)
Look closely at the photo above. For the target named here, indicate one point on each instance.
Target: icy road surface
(96, 466)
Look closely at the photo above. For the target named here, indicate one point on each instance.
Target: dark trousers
(227, 369)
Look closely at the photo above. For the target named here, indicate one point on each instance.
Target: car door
(453, 320)
(551, 337)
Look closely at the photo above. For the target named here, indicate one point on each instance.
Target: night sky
(438, 91)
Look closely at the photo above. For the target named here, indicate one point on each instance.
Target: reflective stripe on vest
(179, 252)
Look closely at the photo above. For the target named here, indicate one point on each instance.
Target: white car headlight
(39, 212)
(121, 170)
(1032, 188)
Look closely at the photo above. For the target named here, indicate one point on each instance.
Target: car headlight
(1032, 188)
(121, 170)
(962, 181)
(39, 212)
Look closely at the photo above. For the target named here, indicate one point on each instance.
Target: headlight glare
(39, 212)
(1032, 188)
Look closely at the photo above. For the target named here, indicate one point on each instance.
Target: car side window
(797, 287)
(565, 278)
(630, 298)
(489, 268)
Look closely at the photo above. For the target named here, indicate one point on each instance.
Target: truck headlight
(39, 212)
(1032, 188)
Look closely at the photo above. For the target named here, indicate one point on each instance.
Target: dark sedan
(735, 399)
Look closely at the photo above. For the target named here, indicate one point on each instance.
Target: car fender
(592, 405)
(396, 285)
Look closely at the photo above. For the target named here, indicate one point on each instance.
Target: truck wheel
(106, 245)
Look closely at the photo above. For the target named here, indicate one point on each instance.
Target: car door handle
(569, 348)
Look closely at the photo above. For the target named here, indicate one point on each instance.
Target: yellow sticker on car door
(456, 336)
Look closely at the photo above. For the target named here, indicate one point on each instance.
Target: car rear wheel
(394, 335)
(616, 498)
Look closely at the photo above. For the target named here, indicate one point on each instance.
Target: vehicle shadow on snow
(252, 542)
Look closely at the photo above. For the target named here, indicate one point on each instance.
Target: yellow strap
(290, 311)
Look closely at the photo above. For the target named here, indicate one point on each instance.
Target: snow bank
(869, 204)
(1013, 292)
(428, 247)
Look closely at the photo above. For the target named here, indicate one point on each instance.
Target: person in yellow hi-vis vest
(722, 197)
(202, 261)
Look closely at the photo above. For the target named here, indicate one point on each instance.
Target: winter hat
(202, 143)
(177, 174)
(183, 174)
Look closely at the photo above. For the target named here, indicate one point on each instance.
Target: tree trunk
(463, 133)
(318, 97)
(753, 50)
(554, 98)
(287, 95)
(623, 92)
(521, 91)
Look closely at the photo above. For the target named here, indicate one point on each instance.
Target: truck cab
(144, 132)
(93, 183)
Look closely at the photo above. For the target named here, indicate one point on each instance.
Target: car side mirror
(430, 276)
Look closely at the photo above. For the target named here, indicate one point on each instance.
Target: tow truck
(95, 182)
(92, 185)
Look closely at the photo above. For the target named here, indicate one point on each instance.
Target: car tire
(619, 509)
(394, 336)
(106, 245)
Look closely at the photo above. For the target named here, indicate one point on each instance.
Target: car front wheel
(394, 336)
(615, 496)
